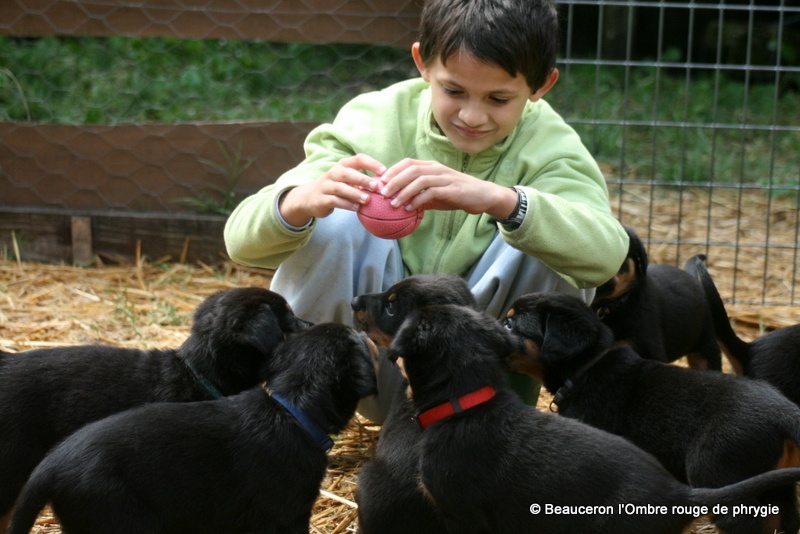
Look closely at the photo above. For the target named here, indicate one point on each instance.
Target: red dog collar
(454, 406)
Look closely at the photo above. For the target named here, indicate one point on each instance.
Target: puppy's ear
(566, 336)
(262, 333)
(637, 252)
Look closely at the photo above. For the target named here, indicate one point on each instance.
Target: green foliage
(666, 126)
(222, 200)
(643, 123)
(79, 80)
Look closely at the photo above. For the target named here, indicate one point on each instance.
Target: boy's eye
(449, 91)
(498, 100)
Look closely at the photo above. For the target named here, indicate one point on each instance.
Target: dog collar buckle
(559, 396)
(455, 406)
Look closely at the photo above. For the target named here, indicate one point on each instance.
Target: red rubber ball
(382, 219)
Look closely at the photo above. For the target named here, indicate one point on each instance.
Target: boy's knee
(341, 227)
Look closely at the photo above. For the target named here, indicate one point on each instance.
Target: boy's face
(476, 104)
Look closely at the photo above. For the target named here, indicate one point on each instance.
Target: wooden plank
(139, 167)
(390, 22)
(43, 235)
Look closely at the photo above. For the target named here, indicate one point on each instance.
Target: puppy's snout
(526, 359)
(357, 304)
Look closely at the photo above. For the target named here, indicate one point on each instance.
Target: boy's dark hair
(519, 36)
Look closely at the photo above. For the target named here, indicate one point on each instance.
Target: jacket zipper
(450, 222)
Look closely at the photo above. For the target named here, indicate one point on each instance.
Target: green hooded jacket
(569, 224)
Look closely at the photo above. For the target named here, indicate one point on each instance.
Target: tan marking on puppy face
(527, 362)
(364, 322)
(621, 282)
(625, 278)
(790, 456)
(510, 313)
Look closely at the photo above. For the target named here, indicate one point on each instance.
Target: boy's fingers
(363, 162)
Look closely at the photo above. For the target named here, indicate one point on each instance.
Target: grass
(642, 123)
(700, 127)
(87, 80)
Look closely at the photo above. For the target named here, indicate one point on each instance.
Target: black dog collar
(322, 439)
(608, 309)
(566, 388)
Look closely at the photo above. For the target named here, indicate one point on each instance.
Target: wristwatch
(513, 221)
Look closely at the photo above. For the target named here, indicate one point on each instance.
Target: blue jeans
(343, 260)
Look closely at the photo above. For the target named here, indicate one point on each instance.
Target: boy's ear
(421, 67)
(548, 84)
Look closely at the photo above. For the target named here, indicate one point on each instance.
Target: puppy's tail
(33, 498)
(745, 491)
(735, 349)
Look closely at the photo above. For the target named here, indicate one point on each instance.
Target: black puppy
(381, 314)
(390, 498)
(659, 309)
(249, 463)
(492, 464)
(774, 357)
(47, 394)
(707, 429)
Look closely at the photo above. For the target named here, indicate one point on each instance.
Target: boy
(514, 201)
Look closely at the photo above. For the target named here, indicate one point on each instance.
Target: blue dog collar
(320, 438)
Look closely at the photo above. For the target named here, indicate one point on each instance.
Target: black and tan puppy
(47, 394)
(248, 463)
(708, 429)
(381, 314)
(390, 498)
(488, 460)
(774, 357)
(659, 309)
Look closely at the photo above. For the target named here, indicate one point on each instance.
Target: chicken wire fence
(691, 109)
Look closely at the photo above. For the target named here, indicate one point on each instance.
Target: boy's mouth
(471, 133)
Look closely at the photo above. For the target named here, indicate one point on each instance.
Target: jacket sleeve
(569, 224)
(254, 234)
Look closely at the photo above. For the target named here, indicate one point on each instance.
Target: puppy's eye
(508, 322)
(389, 308)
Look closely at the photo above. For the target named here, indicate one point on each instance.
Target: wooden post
(81, 240)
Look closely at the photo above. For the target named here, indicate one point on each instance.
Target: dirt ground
(149, 304)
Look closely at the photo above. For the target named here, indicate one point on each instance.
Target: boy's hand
(340, 187)
(431, 185)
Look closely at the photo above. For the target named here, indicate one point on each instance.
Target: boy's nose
(472, 115)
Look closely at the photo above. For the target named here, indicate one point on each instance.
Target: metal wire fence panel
(691, 108)
(133, 167)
